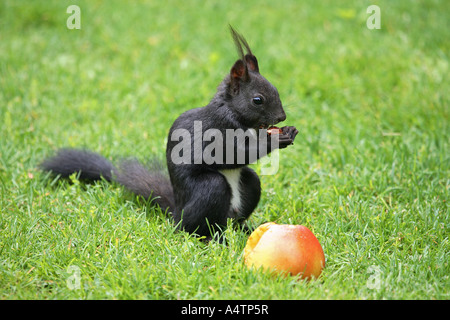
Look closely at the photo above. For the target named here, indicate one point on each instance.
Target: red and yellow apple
(285, 249)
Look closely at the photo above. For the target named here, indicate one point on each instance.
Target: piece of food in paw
(274, 130)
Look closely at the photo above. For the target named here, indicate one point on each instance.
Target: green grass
(368, 174)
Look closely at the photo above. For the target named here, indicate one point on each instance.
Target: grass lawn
(368, 174)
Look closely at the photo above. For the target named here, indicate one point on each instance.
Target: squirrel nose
(281, 117)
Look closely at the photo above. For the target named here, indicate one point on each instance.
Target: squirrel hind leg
(206, 208)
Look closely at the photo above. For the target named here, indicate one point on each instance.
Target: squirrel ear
(238, 73)
(252, 62)
(239, 70)
(249, 58)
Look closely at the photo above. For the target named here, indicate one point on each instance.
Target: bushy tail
(150, 184)
(91, 166)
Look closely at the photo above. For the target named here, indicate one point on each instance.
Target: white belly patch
(233, 177)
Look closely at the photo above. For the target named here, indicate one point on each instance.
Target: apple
(285, 249)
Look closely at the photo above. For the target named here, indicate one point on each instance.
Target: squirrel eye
(258, 101)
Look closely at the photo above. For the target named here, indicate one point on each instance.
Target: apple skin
(285, 249)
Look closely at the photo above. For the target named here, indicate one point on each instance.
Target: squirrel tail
(152, 184)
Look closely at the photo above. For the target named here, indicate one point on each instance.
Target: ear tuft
(241, 43)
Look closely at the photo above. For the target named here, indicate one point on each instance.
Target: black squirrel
(202, 194)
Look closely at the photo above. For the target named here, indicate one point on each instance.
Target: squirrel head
(252, 98)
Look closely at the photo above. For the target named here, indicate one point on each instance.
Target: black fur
(200, 196)
(150, 183)
(90, 165)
